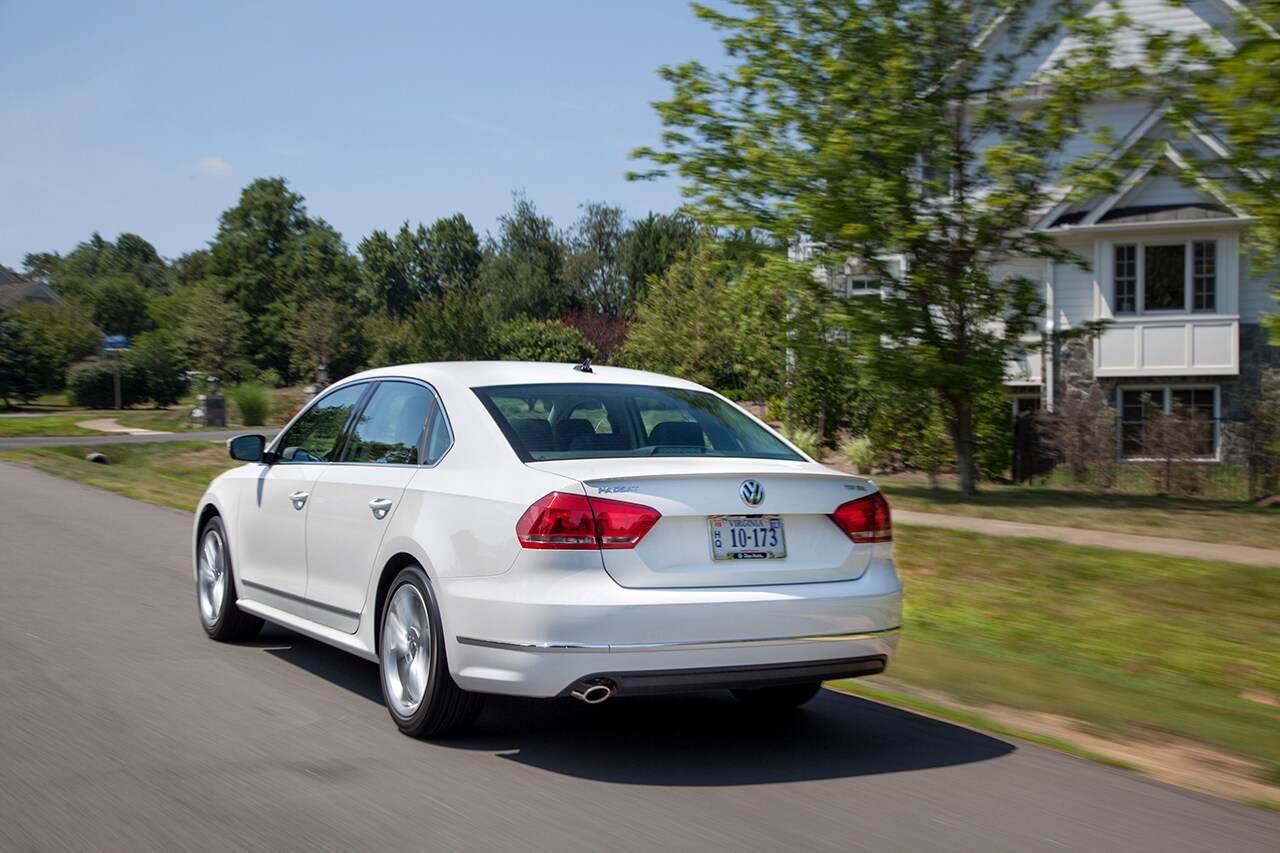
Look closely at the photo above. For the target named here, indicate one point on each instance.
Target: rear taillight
(576, 522)
(866, 519)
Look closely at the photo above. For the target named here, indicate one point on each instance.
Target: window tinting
(314, 435)
(390, 427)
(568, 421)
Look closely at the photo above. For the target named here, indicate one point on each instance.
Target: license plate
(747, 537)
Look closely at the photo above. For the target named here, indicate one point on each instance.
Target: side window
(313, 436)
(390, 427)
(439, 436)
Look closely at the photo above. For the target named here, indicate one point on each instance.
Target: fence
(1227, 458)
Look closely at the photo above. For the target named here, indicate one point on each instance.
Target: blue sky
(150, 117)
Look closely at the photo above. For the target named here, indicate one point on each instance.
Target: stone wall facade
(1073, 374)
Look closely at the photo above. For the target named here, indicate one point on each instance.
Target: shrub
(253, 400)
(92, 385)
(807, 440)
(860, 452)
(523, 339)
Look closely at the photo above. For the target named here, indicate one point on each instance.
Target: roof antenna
(585, 367)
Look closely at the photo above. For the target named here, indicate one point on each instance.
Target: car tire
(779, 697)
(421, 695)
(220, 616)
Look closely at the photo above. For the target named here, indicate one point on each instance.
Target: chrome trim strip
(676, 646)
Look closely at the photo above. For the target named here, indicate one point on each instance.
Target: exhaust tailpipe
(593, 691)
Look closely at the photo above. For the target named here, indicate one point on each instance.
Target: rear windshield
(573, 421)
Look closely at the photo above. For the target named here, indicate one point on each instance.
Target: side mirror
(247, 448)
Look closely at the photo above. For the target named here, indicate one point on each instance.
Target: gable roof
(14, 288)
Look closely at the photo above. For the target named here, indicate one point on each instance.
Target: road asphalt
(123, 728)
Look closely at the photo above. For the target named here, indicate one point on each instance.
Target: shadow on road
(692, 739)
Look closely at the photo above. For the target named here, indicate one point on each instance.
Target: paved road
(123, 728)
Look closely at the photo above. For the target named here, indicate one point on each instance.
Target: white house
(1164, 263)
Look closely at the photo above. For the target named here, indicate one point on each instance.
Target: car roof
(479, 374)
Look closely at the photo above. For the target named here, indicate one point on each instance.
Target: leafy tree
(159, 361)
(211, 330)
(396, 272)
(523, 339)
(118, 304)
(453, 327)
(524, 273)
(58, 336)
(881, 128)
(595, 261)
(707, 321)
(653, 244)
(19, 367)
(455, 252)
(272, 259)
(137, 258)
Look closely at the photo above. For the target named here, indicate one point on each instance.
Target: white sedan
(549, 530)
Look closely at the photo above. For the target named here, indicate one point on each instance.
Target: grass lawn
(1201, 519)
(44, 425)
(1135, 645)
(169, 473)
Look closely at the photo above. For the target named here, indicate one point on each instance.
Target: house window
(1126, 279)
(1142, 436)
(1204, 276)
(1165, 277)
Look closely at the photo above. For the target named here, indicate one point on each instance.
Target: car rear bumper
(528, 634)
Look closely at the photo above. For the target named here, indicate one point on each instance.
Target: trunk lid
(678, 551)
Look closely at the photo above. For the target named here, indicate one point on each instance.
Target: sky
(150, 117)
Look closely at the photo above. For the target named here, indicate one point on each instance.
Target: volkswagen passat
(548, 530)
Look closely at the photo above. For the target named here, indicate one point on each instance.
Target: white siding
(1074, 290)
(1162, 190)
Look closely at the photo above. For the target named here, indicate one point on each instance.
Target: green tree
(594, 266)
(456, 257)
(118, 304)
(882, 128)
(159, 361)
(58, 336)
(711, 321)
(653, 244)
(19, 367)
(272, 259)
(524, 273)
(396, 272)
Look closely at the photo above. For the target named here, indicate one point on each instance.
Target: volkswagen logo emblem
(752, 493)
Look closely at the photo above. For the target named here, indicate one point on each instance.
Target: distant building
(14, 289)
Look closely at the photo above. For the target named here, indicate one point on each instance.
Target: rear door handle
(299, 499)
(380, 507)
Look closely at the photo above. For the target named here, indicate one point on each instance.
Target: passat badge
(752, 493)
